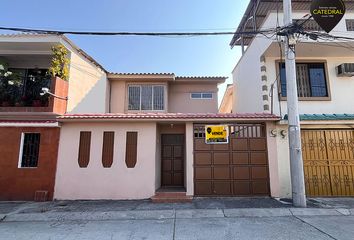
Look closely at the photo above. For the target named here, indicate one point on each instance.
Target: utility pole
(296, 162)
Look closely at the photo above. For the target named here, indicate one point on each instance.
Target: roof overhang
(168, 117)
(28, 123)
(164, 77)
(311, 49)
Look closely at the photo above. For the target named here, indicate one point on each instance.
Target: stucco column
(189, 160)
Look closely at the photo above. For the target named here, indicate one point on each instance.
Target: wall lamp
(46, 91)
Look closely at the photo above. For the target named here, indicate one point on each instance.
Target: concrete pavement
(135, 220)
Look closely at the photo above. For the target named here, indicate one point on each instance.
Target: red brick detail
(60, 88)
(23, 183)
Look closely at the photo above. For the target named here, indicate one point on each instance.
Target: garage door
(328, 162)
(239, 168)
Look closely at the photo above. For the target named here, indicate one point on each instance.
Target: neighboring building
(29, 131)
(325, 88)
(152, 140)
(227, 100)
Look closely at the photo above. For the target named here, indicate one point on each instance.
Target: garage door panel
(221, 158)
(202, 158)
(241, 173)
(221, 172)
(240, 158)
(242, 188)
(203, 173)
(222, 188)
(221, 147)
(203, 188)
(260, 187)
(199, 144)
(240, 144)
(259, 172)
(258, 158)
(258, 144)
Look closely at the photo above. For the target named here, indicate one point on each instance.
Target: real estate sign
(216, 134)
(327, 13)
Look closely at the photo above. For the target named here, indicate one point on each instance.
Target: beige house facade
(151, 144)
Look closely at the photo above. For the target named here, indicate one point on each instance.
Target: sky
(184, 56)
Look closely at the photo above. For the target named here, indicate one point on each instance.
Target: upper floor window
(146, 97)
(201, 95)
(350, 24)
(311, 80)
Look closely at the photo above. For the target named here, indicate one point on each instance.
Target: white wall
(96, 182)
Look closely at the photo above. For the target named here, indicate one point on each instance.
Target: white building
(325, 95)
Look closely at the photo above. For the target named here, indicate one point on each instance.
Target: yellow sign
(216, 134)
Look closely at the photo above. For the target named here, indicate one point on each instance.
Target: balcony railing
(24, 91)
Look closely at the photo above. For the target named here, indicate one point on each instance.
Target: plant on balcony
(60, 62)
(5, 96)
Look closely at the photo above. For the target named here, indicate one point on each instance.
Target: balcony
(22, 94)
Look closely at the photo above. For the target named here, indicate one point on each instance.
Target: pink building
(150, 143)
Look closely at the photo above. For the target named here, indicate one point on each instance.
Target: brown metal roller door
(239, 168)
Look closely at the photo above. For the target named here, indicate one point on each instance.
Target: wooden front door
(172, 158)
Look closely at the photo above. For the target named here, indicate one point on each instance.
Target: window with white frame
(201, 95)
(29, 150)
(146, 97)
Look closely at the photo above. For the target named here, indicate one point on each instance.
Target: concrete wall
(87, 86)
(96, 182)
(181, 101)
(189, 166)
(21, 183)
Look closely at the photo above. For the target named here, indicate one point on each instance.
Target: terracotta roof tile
(159, 116)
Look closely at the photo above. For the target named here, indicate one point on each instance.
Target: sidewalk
(229, 218)
(144, 209)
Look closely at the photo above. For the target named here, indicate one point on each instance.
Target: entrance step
(171, 195)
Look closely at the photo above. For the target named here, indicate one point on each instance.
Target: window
(29, 150)
(107, 149)
(84, 149)
(131, 149)
(311, 80)
(201, 95)
(350, 24)
(146, 97)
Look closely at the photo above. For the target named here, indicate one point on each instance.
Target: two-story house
(151, 143)
(29, 131)
(325, 88)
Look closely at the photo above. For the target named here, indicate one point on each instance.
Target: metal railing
(24, 91)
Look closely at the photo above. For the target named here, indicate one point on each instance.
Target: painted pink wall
(96, 182)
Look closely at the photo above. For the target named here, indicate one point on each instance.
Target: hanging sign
(216, 134)
(327, 13)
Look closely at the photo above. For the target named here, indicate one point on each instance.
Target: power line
(124, 33)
